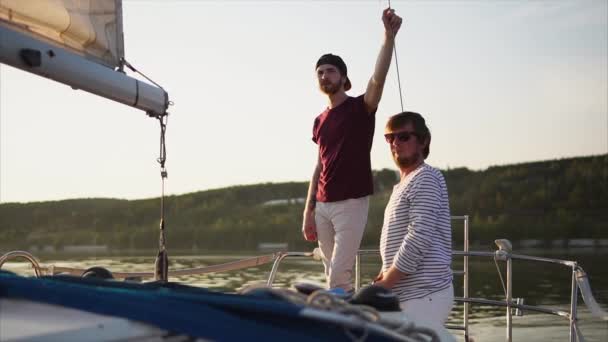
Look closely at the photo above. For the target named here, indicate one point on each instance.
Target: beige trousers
(432, 310)
(340, 227)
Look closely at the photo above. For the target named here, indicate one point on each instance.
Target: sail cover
(91, 28)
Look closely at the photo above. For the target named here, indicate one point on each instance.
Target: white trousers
(340, 227)
(432, 310)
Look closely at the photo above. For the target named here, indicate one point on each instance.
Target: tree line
(547, 200)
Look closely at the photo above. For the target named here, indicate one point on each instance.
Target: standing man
(338, 195)
(416, 239)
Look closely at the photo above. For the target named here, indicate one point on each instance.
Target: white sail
(75, 42)
(92, 28)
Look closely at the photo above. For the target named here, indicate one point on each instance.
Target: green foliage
(565, 198)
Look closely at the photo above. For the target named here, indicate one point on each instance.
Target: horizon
(287, 181)
(500, 83)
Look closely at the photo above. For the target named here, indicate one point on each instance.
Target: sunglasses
(400, 136)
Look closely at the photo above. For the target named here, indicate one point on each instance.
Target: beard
(405, 162)
(329, 88)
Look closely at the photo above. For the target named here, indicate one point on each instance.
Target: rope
(398, 77)
(228, 266)
(328, 302)
(162, 260)
(163, 175)
(397, 68)
(124, 61)
(322, 300)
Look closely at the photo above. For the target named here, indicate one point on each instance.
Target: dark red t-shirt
(345, 135)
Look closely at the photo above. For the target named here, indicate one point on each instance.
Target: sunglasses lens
(403, 137)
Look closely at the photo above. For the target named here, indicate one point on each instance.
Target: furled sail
(92, 28)
(75, 42)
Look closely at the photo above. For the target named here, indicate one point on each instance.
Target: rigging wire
(130, 66)
(162, 260)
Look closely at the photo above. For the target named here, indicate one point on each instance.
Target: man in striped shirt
(416, 238)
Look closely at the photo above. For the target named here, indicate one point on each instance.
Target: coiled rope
(325, 301)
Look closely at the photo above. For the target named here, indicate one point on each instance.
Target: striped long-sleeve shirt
(416, 235)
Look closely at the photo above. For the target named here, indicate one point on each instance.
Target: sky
(499, 82)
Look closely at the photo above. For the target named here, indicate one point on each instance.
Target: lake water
(540, 284)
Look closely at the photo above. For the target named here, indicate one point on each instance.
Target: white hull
(24, 320)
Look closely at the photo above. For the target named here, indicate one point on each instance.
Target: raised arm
(373, 94)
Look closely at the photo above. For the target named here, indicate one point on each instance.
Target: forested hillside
(546, 200)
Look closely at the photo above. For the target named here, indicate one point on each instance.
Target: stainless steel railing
(504, 253)
(22, 254)
(579, 283)
(42, 270)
